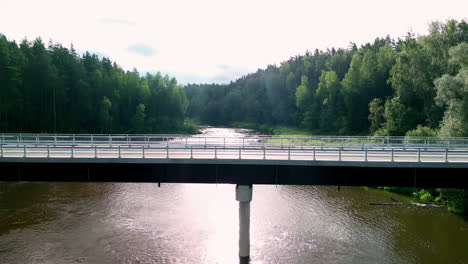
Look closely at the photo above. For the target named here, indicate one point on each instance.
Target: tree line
(414, 85)
(52, 89)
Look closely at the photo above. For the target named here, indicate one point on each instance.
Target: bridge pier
(244, 196)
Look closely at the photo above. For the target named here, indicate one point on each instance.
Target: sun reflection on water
(216, 206)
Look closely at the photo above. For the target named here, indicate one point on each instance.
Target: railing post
(1, 150)
(365, 155)
(95, 151)
(20, 138)
(339, 154)
(191, 152)
(55, 139)
(224, 142)
(314, 153)
(242, 142)
(72, 151)
(264, 154)
(392, 156)
(446, 154)
(289, 153)
(216, 155)
(73, 139)
(24, 150)
(119, 152)
(110, 140)
(419, 155)
(48, 151)
(205, 142)
(17, 141)
(167, 151)
(143, 150)
(92, 140)
(240, 157)
(127, 139)
(186, 142)
(37, 139)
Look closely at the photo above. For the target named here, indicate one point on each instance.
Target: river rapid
(198, 223)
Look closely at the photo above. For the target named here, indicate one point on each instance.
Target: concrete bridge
(244, 161)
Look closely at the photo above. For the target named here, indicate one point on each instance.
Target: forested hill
(415, 86)
(53, 89)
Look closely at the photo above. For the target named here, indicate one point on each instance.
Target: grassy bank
(456, 200)
(190, 127)
(273, 130)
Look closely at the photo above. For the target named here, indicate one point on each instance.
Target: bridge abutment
(244, 196)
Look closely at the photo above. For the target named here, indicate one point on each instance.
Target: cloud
(184, 78)
(117, 21)
(142, 49)
(224, 67)
(206, 41)
(226, 77)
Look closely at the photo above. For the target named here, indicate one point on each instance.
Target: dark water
(193, 223)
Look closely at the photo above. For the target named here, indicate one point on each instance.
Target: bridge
(352, 161)
(244, 161)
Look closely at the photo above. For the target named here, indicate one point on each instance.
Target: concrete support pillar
(244, 196)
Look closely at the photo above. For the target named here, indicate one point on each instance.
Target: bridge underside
(243, 174)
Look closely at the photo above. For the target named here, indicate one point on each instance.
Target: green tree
(105, 117)
(139, 119)
(376, 114)
(329, 91)
(302, 93)
(452, 91)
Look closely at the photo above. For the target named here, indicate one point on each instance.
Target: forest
(52, 89)
(412, 86)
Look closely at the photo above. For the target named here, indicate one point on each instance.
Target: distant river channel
(198, 223)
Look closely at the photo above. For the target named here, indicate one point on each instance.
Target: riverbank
(273, 130)
(455, 200)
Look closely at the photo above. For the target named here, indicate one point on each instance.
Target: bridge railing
(249, 152)
(305, 142)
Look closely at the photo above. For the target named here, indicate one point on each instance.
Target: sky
(205, 41)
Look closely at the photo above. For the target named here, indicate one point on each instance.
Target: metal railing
(228, 152)
(255, 140)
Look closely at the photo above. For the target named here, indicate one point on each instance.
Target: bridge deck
(254, 160)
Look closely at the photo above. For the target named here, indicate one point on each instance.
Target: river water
(197, 223)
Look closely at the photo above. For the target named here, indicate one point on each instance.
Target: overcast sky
(216, 40)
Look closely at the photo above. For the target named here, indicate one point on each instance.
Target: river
(197, 223)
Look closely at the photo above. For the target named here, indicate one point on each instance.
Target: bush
(456, 199)
(424, 195)
(381, 132)
(422, 131)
